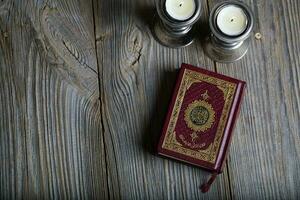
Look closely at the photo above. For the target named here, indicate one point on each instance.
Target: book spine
(224, 149)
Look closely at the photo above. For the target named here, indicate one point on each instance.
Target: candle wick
(180, 4)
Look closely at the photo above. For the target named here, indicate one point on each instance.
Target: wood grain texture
(264, 161)
(51, 143)
(59, 140)
(137, 76)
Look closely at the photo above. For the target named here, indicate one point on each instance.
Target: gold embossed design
(199, 116)
(170, 142)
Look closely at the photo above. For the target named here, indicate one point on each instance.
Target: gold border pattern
(170, 142)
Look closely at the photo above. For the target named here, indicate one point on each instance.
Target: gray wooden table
(84, 89)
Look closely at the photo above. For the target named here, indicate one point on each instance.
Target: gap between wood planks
(100, 99)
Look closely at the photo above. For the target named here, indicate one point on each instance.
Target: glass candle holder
(173, 23)
(231, 24)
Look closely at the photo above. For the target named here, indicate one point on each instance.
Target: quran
(201, 118)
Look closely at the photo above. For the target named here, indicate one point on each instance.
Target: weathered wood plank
(136, 77)
(51, 143)
(51, 135)
(264, 161)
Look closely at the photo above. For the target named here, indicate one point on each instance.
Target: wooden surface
(84, 89)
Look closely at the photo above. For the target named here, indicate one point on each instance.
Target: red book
(201, 117)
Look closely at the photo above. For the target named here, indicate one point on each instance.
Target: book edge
(227, 137)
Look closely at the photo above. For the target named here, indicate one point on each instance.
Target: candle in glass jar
(232, 20)
(180, 9)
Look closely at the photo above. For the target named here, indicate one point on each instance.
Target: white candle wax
(232, 20)
(180, 9)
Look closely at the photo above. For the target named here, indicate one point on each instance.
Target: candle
(232, 20)
(173, 25)
(180, 9)
(231, 24)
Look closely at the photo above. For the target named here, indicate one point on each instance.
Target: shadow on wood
(153, 130)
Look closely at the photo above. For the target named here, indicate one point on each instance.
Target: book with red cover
(201, 118)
